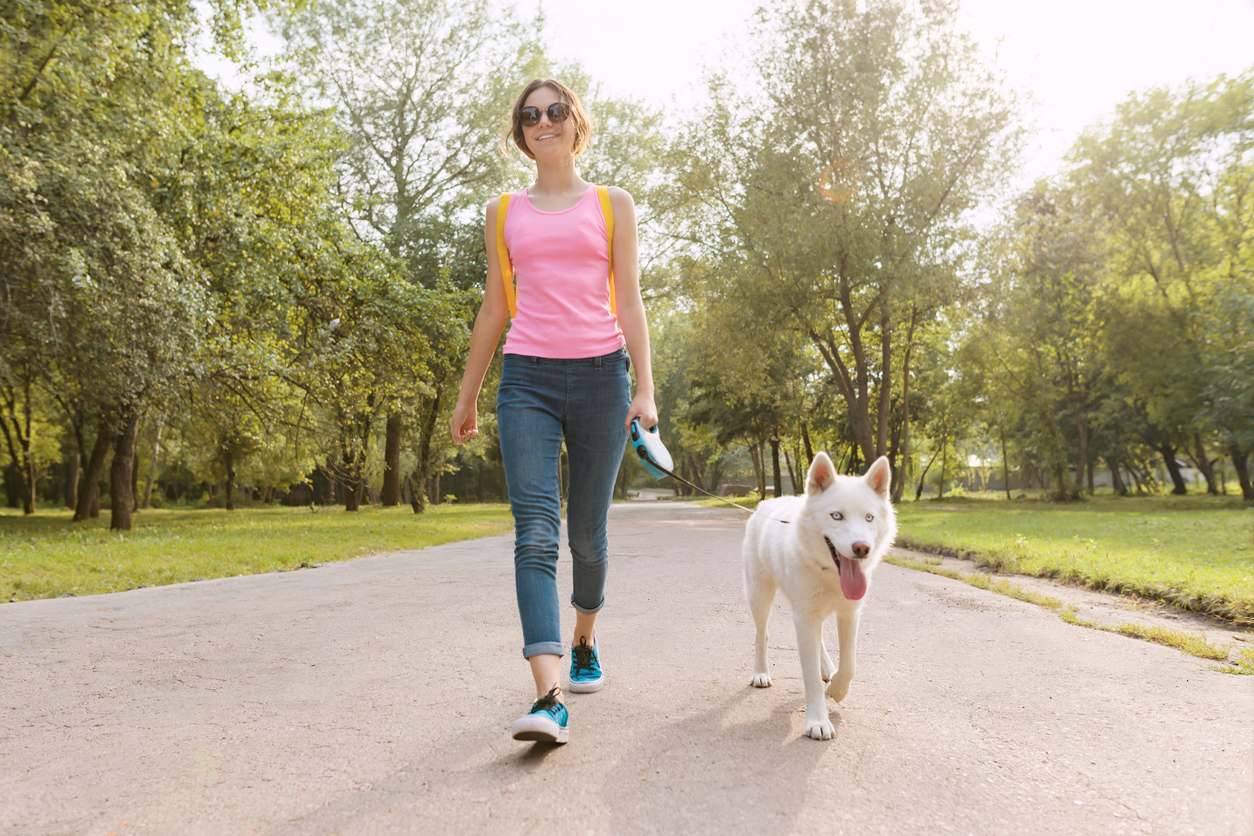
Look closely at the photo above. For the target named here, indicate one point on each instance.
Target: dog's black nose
(861, 550)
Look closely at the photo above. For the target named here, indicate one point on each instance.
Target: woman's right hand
(465, 422)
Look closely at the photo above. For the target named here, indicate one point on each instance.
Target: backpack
(507, 266)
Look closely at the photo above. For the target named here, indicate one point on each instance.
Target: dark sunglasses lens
(530, 116)
(558, 111)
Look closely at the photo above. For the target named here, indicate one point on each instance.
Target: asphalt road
(375, 697)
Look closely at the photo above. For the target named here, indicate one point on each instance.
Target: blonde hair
(584, 124)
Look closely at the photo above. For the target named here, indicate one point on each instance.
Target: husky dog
(820, 549)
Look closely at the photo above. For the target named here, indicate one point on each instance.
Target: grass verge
(47, 555)
(1196, 552)
(1182, 640)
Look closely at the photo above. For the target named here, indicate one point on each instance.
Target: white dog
(820, 549)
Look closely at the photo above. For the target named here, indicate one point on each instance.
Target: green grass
(46, 555)
(1194, 551)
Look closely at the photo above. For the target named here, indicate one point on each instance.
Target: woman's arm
(489, 323)
(631, 314)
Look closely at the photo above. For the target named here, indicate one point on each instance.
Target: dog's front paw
(761, 680)
(838, 689)
(820, 729)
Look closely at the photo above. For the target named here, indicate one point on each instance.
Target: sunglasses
(557, 112)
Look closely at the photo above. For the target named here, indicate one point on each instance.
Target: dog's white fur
(853, 514)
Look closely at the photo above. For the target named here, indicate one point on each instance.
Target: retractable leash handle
(652, 452)
(657, 460)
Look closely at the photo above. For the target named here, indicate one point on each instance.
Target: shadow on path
(730, 769)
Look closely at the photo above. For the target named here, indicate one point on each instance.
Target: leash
(650, 449)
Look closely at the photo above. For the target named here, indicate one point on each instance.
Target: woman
(565, 376)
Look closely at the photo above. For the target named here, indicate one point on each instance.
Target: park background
(242, 250)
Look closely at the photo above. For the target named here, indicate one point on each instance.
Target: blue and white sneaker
(545, 722)
(586, 675)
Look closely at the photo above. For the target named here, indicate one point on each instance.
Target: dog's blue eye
(870, 517)
(836, 515)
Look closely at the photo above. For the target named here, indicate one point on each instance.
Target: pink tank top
(562, 269)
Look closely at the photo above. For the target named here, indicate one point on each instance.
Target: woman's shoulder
(621, 200)
(494, 204)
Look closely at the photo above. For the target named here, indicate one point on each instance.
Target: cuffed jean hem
(540, 648)
(586, 610)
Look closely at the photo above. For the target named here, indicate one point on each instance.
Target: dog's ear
(879, 476)
(821, 476)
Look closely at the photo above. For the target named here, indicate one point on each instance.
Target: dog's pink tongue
(852, 579)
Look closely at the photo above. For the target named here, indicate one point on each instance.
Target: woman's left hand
(642, 407)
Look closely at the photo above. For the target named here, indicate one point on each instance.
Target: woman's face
(545, 139)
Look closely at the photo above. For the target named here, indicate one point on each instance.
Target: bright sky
(1077, 58)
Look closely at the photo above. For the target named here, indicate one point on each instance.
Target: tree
(419, 88)
(1171, 176)
(837, 202)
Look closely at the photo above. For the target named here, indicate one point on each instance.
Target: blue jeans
(540, 401)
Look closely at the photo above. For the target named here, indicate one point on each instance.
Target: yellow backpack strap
(607, 211)
(502, 251)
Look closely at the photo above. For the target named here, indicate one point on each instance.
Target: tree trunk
(899, 480)
(919, 491)
(886, 380)
(16, 421)
(351, 494)
(1173, 468)
(805, 438)
(152, 471)
(419, 500)
(121, 473)
(391, 495)
(1116, 481)
(228, 459)
(755, 456)
(779, 482)
(1241, 464)
(1202, 460)
(1082, 462)
(413, 493)
(792, 476)
(1005, 464)
(1090, 475)
(135, 478)
(940, 494)
(71, 477)
(88, 505)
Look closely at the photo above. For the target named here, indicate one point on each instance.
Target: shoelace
(548, 702)
(583, 656)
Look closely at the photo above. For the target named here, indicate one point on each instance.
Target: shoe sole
(586, 687)
(540, 731)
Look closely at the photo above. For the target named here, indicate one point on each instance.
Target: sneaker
(545, 722)
(586, 675)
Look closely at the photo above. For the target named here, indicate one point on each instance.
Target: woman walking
(563, 265)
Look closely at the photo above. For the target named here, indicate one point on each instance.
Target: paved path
(375, 697)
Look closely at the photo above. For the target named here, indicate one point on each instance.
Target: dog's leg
(761, 592)
(847, 631)
(809, 646)
(828, 667)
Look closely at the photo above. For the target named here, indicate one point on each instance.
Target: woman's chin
(551, 153)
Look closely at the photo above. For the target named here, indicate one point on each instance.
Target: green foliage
(824, 203)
